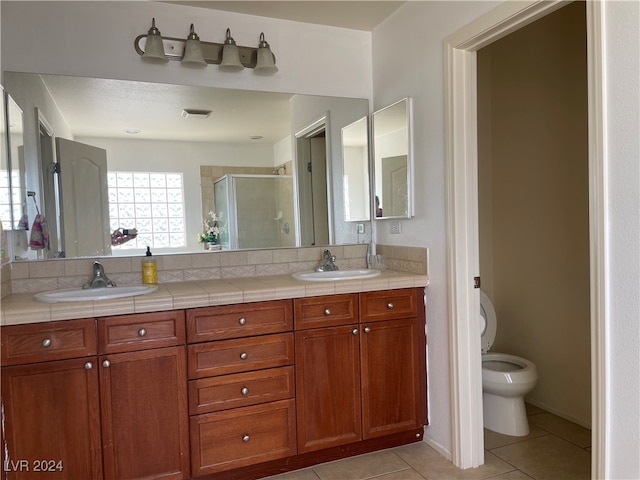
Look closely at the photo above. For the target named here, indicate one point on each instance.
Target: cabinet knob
(327, 312)
(367, 329)
(243, 356)
(88, 366)
(46, 342)
(244, 391)
(242, 321)
(354, 331)
(246, 438)
(106, 363)
(389, 305)
(142, 332)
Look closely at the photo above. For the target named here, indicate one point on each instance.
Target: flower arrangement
(212, 229)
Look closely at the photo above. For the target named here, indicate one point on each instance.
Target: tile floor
(555, 449)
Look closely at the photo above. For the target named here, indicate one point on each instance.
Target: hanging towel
(39, 234)
(23, 224)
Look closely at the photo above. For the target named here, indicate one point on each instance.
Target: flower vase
(211, 246)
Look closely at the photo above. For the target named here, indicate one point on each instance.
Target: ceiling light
(197, 114)
(256, 137)
(132, 131)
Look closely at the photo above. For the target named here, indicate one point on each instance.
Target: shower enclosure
(257, 210)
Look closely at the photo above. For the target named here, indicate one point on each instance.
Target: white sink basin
(337, 275)
(87, 294)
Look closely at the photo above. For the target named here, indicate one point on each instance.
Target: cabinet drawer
(243, 436)
(127, 333)
(388, 304)
(325, 311)
(234, 321)
(240, 390)
(40, 342)
(240, 355)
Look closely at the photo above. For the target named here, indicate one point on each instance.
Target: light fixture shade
(230, 55)
(266, 61)
(193, 52)
(154, 48)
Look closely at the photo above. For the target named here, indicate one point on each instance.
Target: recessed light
(193, 113)
(132, 131)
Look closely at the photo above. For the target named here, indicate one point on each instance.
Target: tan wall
(533, 171)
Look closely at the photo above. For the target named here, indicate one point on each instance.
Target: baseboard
(550, 409)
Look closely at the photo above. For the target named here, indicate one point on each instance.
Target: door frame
(460, 72)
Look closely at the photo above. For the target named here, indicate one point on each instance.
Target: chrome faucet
(326, 264)
(99, 278)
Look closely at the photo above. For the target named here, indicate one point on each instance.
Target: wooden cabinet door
(144, 414)
(391, 391)
(52, 412)
(327, 387)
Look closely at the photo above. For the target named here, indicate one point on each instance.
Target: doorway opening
(313, 178)
(462, 219)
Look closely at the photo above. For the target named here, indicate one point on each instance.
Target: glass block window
(152, 203)
(6, 200)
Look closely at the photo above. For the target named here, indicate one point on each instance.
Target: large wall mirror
(355, 158)
(392, 161)
(155, 153)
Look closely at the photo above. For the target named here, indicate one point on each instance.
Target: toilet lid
(488, 322)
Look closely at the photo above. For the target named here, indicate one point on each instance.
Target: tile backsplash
(42, 275)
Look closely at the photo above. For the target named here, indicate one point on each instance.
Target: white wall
(622, 96)
(408, 62)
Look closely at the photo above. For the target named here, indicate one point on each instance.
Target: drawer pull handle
(327, 312)
(246, 438)
(242, 321)
(142, 332)
(389, 305)
(243, 356)
(244, 391)
(106, 364)
(354, 331)
(367, 329)
(46, 342)
(88, 366)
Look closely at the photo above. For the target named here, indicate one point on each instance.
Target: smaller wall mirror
(355, 171)
(392, 160)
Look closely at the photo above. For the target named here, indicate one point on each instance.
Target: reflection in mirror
(153, 140)
(355, 168)
(5, 190)
(392, 160)
(13, 193)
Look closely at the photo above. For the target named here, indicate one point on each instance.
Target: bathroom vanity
(239, 390)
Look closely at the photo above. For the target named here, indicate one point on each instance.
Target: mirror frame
(409, 153)
(365, 191)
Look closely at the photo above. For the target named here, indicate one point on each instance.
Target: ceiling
(364, 15)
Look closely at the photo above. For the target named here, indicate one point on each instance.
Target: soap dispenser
(149, 268)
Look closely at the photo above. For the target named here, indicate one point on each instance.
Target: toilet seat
(488, 322)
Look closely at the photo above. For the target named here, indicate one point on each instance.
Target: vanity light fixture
(154, 46)
(193, 52)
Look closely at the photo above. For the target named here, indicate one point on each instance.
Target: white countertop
(23, 308)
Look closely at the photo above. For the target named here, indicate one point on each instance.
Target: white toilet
(506, 379)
